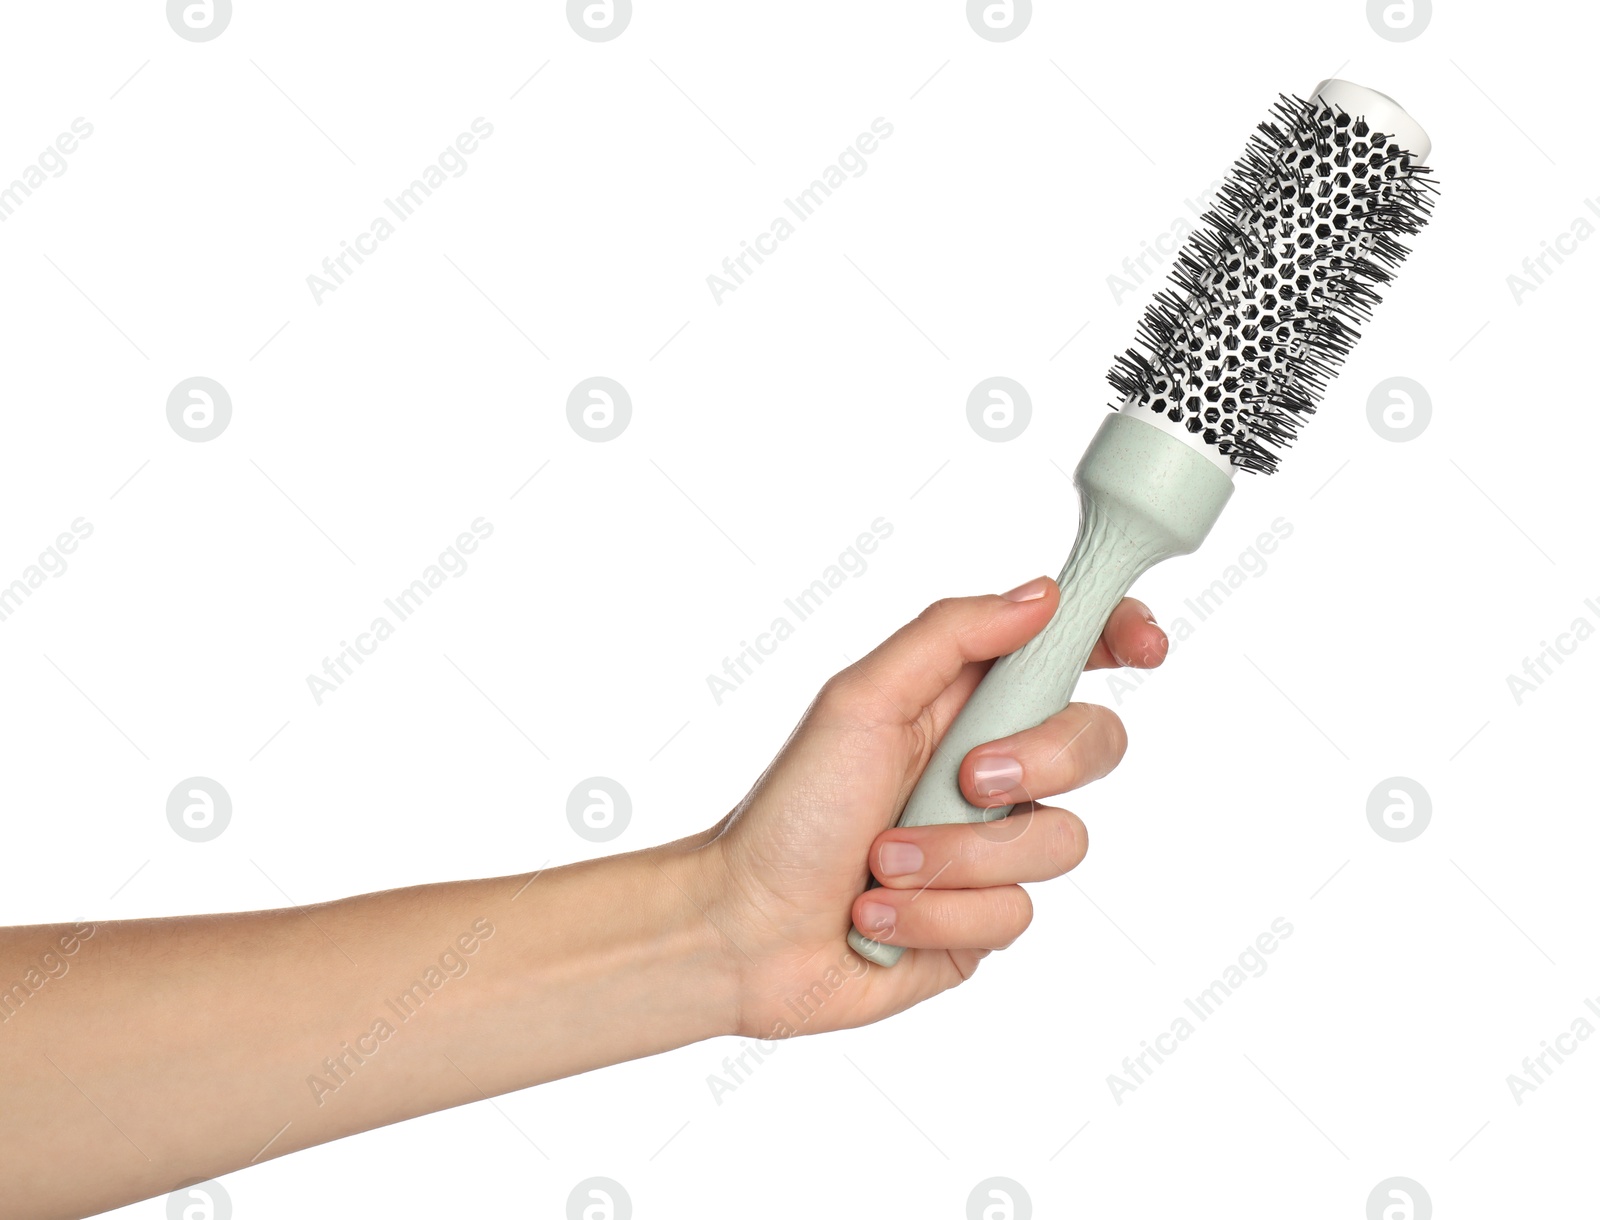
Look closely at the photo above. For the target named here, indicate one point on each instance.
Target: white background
(767, 432)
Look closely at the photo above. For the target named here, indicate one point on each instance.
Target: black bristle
(1305, 232)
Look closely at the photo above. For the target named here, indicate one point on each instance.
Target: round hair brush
(1264, 303)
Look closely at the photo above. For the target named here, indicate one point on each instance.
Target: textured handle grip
(1145, 496)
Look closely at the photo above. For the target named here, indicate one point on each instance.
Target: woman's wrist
(686, 934)
(629, 946)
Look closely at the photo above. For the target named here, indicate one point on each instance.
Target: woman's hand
(394, 1004)
(784, 872)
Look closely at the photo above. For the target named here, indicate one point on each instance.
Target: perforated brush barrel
(1267, 293)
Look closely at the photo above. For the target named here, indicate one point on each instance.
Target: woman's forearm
(168, 1051)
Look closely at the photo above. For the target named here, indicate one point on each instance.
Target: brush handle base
(1145, 496)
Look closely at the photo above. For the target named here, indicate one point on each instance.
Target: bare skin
(164, 1052)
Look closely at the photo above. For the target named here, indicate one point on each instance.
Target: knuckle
(969, 962)
(971, 848)
(1024, 910)
(1116, 732)
(837, 693)
(1016, 914)
(949, 919)
(1063, 845)
(1104, 742)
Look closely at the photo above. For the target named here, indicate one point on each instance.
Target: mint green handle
(1145, 496)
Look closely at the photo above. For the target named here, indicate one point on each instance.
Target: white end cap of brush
(1380, 110)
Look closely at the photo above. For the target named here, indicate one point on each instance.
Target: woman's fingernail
(898, 859)
(993, 776)
(878, 920)
(1030, 592)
